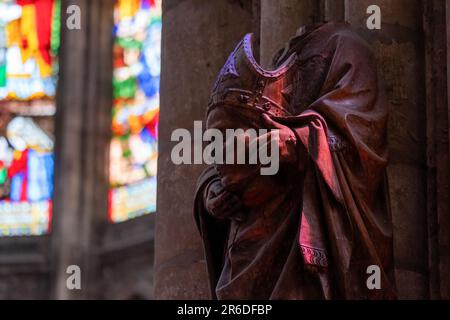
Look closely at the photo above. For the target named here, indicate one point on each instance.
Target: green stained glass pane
(3, 175)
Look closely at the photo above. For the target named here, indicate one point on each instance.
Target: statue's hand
(286, 140)
(222, 204)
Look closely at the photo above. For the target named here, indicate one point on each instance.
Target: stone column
(198, 36)
(398, 48)
(280, 21)
(83, 129)
(335, 10)
(438, 147)
(445, 231)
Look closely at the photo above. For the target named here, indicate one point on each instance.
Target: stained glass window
(134, 148)
(29, 42)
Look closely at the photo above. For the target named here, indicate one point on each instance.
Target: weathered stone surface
(437, 37)
(335, 10)
(418, 284)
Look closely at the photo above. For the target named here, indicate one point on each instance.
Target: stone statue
(313, 230)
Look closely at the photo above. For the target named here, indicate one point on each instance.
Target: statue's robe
(329, 220)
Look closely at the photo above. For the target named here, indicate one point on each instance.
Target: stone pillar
(280, 21)
(335, 10)
(198, 36)
(83, 129)
(438, 147)
(398, 48)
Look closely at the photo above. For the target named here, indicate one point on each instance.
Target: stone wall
(398, 48)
